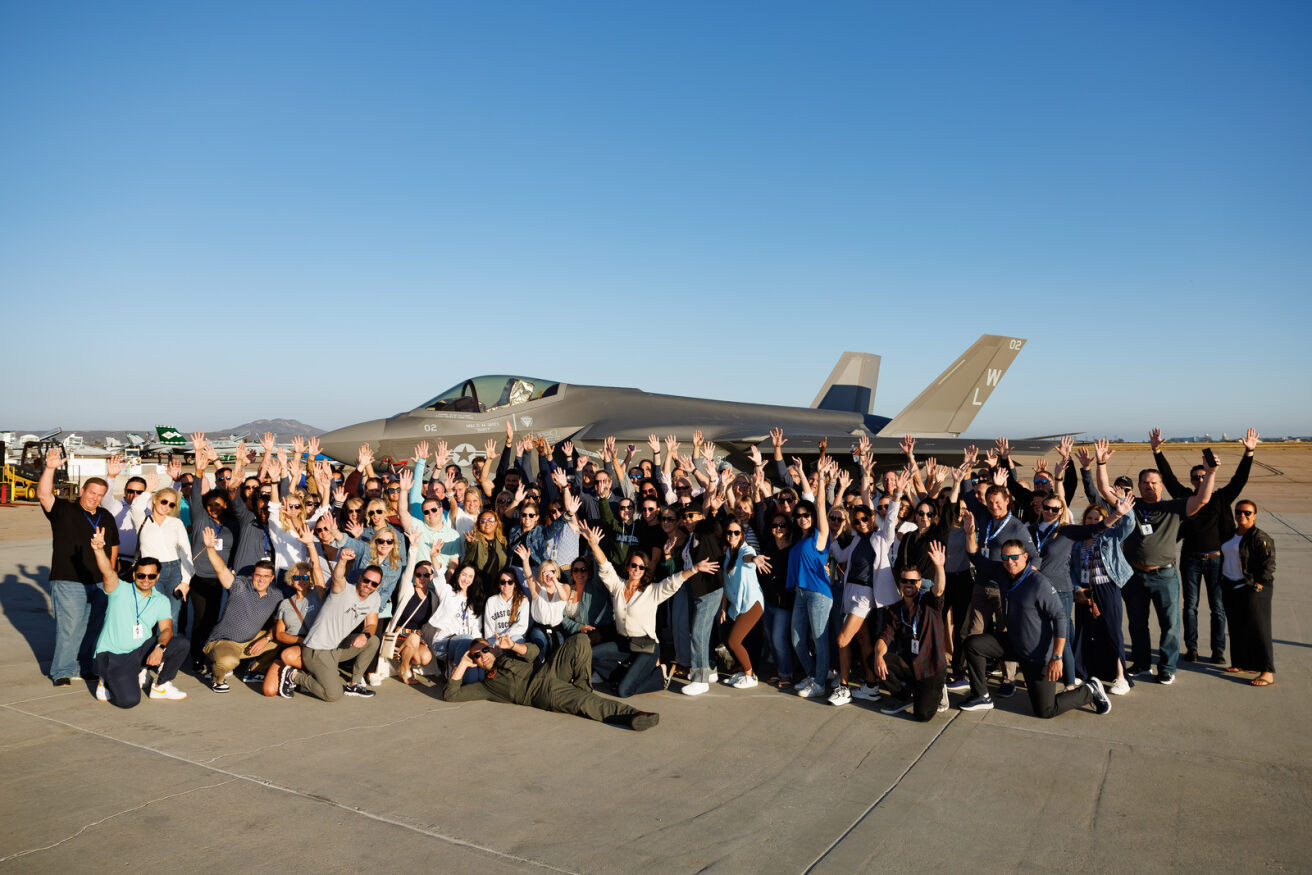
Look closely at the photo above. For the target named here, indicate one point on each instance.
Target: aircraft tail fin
(851, 384)
(948, 405)
(169, 435)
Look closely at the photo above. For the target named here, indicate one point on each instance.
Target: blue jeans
(680, 627)
(811, 617)
(1194, 573)
(170, 575)
(778, 622)
(705, 610)
(1068, 652)
(79, 613)
(1162, 588)
(641, 675)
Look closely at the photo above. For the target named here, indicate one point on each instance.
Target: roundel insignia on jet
(464, 454)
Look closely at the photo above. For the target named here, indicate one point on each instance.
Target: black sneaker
(895, 706)
(1006, 690)
(220, 687)
(1139, 670)
(1218, 658)
(1102, 703)
(1165, 677)
(978, 703)
(644, 720)
(1190, 655)
(286, 687)
(62, 682)
(359, 690)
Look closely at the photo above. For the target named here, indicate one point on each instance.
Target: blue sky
(211, 213)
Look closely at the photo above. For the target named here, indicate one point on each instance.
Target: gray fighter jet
(467, 414)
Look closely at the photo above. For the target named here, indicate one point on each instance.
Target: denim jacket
(1109, 549)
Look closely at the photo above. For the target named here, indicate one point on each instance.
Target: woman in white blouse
(547, 607)
(161, 535)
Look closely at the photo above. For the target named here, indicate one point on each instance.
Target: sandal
(1234, 669)
(1260, 682)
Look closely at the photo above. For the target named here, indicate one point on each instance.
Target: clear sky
(215, 212)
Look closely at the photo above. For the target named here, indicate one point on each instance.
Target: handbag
(642, 644)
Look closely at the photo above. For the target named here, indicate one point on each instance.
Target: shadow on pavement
(25, 601)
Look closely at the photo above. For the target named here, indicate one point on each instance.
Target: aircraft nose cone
(343, 443)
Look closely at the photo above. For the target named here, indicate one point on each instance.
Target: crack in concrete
(109, 817)
(882, 796)
(235, 776)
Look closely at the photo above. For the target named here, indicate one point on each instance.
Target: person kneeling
(562, 684)
(911, 653)
(126, 650)
(1035, 635)
(333, 641)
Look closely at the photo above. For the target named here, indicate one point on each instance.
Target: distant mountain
(283, 429)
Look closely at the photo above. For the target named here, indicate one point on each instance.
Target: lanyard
(915, 618)
(137, 602)
(1041, 539)
(988, 531)
(94, 520)
(1020, 579)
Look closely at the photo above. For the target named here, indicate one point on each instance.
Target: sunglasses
(1011, 557)
(735, 532)
(475, 654)
(486, 522)
(394, 491)
(384, 541)
(801, 516)
(224, 477)
(1052, 508)
(423, 575)
(638, 565)
(862, 519)
(429, 511)
(1042, 481)
(132, 491)
(266, 495)
(787, 499)
(164, 502)
(669, 519)
(293, 507)
(579, 570)
(926, 514)
(836, 518)
(778, 526)
(1245, 513)
(376, 512)
(300, 577)
(505, 582)
(140, 576)
(883, 508)
(626, 507)
(915, 580)
(371, 582)
(247, 488)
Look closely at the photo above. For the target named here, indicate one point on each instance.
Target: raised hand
(1040, 465)
(364, 456)
(938, 554)
(908, 445)
(590, 534)
(1102, 450)
(671, 446)
(54, 457)
(696, 440)
(706, 566)
(777, 438)
(355, 529)
(114, 466)
(442, 455)
(1000, 476)
(567, 448)
(762, 563)
(708, 451)
(412, 536)
(522, 552)
(406, 480)
(844, 481)
(208, 536)
(608, 448)
(435, 554)
(558, 477)
(1064, 447)
(152, 483)
(346, 554)
(489, 449)
(968, 523)
(1155, 438)
(1082, 455)
(339, 494)
(962, 472)
(510, 433)
(1125, 503)
(175, 470)
(900, 485)
(298, 444)
(755, 453)
(266, 441)
(420, 453)
(1250, 440)
(972, 455)
(654, 443)
(931, 470)
(312, 447)
(1003, 446)
(572, 503)
(685, 462)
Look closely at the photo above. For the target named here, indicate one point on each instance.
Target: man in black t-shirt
(79, 606)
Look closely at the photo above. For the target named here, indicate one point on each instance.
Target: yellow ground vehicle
(21, 477)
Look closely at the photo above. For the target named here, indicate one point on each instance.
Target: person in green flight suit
(562, 684)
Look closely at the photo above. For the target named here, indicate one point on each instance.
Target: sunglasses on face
(475, 654)
(1052, 508)
(300, 577)
(778, 526)
(787, 499)
(1011, 557)
(486, 522)
(863, 519)
(579, 570)
(132, 491)
(1245, 513)
(737, 533)
(927, 514)
(505, 582)
(801, 516)
(423, 575)
(143, 576)
(882, 508)
(638, 565)
(370, 582)
(910, 580)
(266, 495)
(164, 502)
(836, 519)
(429, 511)
(293, 507)
(384, 541)
(394, 491)
(626, 507)
(1042, 482)
(669, 519)
(377, 512)
(529, 515)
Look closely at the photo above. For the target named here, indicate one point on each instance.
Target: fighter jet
(470, 412)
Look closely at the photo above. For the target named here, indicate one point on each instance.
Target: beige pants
(227, 655)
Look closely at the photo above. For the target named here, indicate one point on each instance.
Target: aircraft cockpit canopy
(484, 394)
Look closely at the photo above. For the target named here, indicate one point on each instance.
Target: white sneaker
(142, 677)
(695, 689)
(101, 693)
(810, 690)
(733, 679)
(745, 682)
(715, 676)
(166, 690)
(1120, 688)
(867, 692)
(841, 696)
(943, 703)
(373, 678)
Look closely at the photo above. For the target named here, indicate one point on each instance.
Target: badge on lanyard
(138, 632)
(915, 647)
(1146, 529)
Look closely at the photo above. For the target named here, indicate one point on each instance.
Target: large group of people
(547, 575)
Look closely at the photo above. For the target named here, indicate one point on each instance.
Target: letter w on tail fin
(949, 404)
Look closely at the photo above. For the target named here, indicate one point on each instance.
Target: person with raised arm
(911, 653)
(243, 631)
(808, 578)
(76, 600)
(137, 635)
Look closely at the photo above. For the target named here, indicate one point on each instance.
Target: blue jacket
(1109, 548)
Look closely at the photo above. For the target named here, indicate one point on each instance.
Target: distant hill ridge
(283, 430)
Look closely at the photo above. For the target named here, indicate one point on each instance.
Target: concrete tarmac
(1209, 773)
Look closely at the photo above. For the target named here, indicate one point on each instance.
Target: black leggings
(205, 596)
